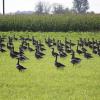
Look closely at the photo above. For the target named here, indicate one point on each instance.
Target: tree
(3, 7)
(81, 6)
(58, 9)
(47, 8)
(42, 8)
(39, 8)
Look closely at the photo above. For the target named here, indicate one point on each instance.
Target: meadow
(42, 80)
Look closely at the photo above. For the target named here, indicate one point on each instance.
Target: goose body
(58, 64)
(75, 60)
(20, 67)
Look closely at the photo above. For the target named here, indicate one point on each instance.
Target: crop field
(50, 23)
(42, 80)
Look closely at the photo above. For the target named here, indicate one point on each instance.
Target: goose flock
(63, 49)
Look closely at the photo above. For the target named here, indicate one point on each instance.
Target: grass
(43, 81)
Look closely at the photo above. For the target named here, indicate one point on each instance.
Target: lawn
(42, 80)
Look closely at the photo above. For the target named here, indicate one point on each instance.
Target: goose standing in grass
(2, 49)
(75, 60)
(37, 55)
(87, 55)
(69, 50)
(54, 53)
(79, 51)
(20, 67)
(58, 64)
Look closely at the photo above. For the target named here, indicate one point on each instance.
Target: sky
(29, 5)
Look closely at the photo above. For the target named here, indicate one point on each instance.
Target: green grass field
(42, 80)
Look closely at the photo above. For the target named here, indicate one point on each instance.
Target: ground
(43, 81)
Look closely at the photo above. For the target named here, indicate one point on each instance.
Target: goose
(54, 53)
(98, 50)
(75, 60)
(12, 54)
(16, 53)
(9, 46)
(85, 42)
(2, 50)
(69, 50)
(87, 55)
(37, 55)
(22, 57)
(95, 51)
(57, 64)
(83, 48)
(40, 53)
(79, 51)
(80, 43)
(20, 67)
(54, 42)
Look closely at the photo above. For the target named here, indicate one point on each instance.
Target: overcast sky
(26, 5)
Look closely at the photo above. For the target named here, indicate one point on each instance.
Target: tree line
(79, 6)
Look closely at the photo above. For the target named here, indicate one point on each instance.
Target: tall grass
(71, 22)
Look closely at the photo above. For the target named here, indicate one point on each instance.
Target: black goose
(20, 67)
(87, 55)
(22, 57)
(83, 48)
(68, 50)
(80, 43)
(75, 60)
(12, 54)
(23, 46)
(54, 53)
(95, 51)
(79, 51)
(98, 50)
(54, 42)
(9, 46)
(57, 64)
(37, 55)
(3, 45)
(40, 53)
(86, 42)
(2, 50)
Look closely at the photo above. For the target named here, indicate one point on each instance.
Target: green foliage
(70, 22)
